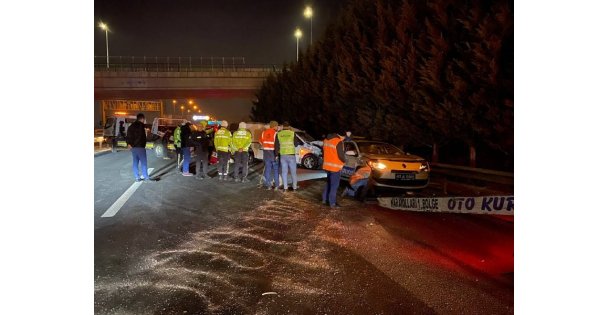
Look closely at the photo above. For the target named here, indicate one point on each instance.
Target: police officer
(177, 142)
(241, 140)
(222, 143)
(286, 147)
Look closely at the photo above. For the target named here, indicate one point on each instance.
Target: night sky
(261, 31)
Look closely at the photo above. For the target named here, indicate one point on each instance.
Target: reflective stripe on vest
(286, 139)
(267, 139)
(331, 161)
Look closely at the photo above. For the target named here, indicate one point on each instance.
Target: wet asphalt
(184, 246)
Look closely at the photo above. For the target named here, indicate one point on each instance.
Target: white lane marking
(115, 207)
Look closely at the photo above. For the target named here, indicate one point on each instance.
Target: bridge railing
(179, 64)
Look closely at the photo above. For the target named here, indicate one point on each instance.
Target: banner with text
(478, 205)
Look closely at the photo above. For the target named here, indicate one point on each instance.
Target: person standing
(136, 140)
(186, 138)
(222, 142)
(271, 165)
(333, 161)
(286, 147)
(241, 140)
(201, 147)
(177, 142)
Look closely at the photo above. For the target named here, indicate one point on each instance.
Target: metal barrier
(178, 64)
(470, 173)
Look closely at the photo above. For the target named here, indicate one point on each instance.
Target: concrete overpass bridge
(177, 77)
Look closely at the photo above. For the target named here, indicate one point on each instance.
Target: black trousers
(201, 158)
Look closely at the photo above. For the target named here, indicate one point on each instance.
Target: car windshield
(379, 148)
(109, 122)
(306, 137)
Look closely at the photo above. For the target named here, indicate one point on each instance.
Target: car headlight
(376, 165)
(424, 166)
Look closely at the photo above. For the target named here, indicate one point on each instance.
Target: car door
(351, 161)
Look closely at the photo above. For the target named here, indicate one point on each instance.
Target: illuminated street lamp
(190, 102)
(297, 34)
(308, 15)
(174, 102)
(104, 27)
(182, 108)
(194, 106)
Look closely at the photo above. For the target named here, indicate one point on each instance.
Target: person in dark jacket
(186, 133)
(136, 140)
(201, 141)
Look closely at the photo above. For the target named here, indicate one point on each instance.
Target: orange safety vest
(267, 139)
(331, 161)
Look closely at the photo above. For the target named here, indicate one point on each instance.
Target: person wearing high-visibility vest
(241, 140)
(177, 142)
(271, 165)
(358, 180)
(222, 143)
(333, 161)
(285, 146)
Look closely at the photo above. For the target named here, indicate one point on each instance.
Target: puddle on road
(224, 270)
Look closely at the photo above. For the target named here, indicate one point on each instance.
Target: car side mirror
(351, 153)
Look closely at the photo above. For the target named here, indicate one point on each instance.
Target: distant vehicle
(391, 167)
(308, 151)
(115, 130)
(158, 135)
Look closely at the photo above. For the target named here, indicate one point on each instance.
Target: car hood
(391, 157)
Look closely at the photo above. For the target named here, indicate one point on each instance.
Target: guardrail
(470, 173)
(164, 67)
(178, 64)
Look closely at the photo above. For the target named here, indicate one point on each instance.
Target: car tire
(251, 157)
(114, 149)
(159, 150)
(309, 161)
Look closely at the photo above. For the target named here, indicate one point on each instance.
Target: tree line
(413, 73)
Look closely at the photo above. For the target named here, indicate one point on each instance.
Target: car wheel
(309, 161)
(158, 150)
(113, 145)
(251, 157)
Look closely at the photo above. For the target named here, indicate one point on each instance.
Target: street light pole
(105, 28)
(298, 34)
(308, 14)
